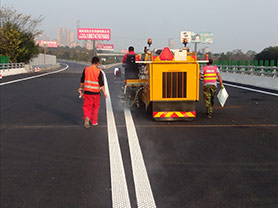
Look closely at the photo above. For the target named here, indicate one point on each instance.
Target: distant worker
(144, 56)
(90, 85)
(130, 51)
(210, 73)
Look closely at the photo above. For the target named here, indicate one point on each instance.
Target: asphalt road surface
(48, 159)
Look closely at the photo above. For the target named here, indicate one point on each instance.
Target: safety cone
(1, 76)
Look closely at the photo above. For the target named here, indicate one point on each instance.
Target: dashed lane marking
(120, 196)
(208, 126)
(141, 126)
(143, 190)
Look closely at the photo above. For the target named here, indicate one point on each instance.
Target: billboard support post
(44, 52)
(196, 47)
(94, 48)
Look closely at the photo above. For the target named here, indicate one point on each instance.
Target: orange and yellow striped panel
(174, 114)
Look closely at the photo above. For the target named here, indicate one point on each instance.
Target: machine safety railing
(270, 71)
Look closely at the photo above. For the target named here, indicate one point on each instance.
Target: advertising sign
(108, 47)
(48, 43)
(123, 51)
(187, 35)
(93, 34)
(196, 37)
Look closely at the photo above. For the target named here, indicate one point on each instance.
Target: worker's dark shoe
(95, 124)
(87, 123)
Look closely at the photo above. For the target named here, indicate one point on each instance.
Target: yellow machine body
(172, 87)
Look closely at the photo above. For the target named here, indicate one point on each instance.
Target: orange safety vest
(91, 79)
(210, 73)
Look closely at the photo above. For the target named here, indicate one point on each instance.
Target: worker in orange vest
(90, 85)
(210, 74)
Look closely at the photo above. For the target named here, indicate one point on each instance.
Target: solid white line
(120, 196)
(250, 89)
(143, 189)
(33, 77)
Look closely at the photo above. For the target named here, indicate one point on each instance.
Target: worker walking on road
(90, 85)
(210, 73)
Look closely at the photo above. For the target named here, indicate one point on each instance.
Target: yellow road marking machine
(170, 86)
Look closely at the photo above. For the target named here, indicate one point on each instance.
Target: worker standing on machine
(210, 73)
(90, 85)
(130, 51)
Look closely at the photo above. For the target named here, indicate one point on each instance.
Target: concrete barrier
(253, 80)
(40, 63)
(8, 72)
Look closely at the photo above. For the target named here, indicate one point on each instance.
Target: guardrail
(12, 66)
(270, 71)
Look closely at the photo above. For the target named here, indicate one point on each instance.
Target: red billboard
(108, 47)
(123, 51)
(93, 34)
(48, 43)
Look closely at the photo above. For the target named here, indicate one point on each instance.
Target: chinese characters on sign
(107, 47)
(196, 37)
(48, 43)
(93, 34)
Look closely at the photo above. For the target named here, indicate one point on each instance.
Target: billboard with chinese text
(106, 47)
(93, 34)
(48, 43)
(196, 37)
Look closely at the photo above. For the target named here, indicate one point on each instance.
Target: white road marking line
(33, 77)
(143, 189)
(120, 196)
(250, 89)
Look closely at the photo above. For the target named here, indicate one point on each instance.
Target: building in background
(205, 50)
(171, 43)
(43, 37)
(65, 37)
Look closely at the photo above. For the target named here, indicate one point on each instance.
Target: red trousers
(90, 107)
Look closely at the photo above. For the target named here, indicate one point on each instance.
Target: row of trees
(268, 54)
(77, 54)
(17, 34)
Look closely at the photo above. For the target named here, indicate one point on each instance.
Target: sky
(235, 24)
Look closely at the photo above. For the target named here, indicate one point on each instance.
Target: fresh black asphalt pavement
(48, 159)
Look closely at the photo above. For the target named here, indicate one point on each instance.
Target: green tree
(270, 53)
(10, 41)
(17, 34)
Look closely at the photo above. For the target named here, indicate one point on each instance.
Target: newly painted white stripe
(120, 196)
(143, 189)
(36, 76)
(250, 89)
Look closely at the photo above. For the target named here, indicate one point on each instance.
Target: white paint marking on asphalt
(250, 89)
(143, 189)
(36, 76)
(120, 196)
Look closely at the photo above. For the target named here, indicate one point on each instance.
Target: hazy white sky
(236, 24)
